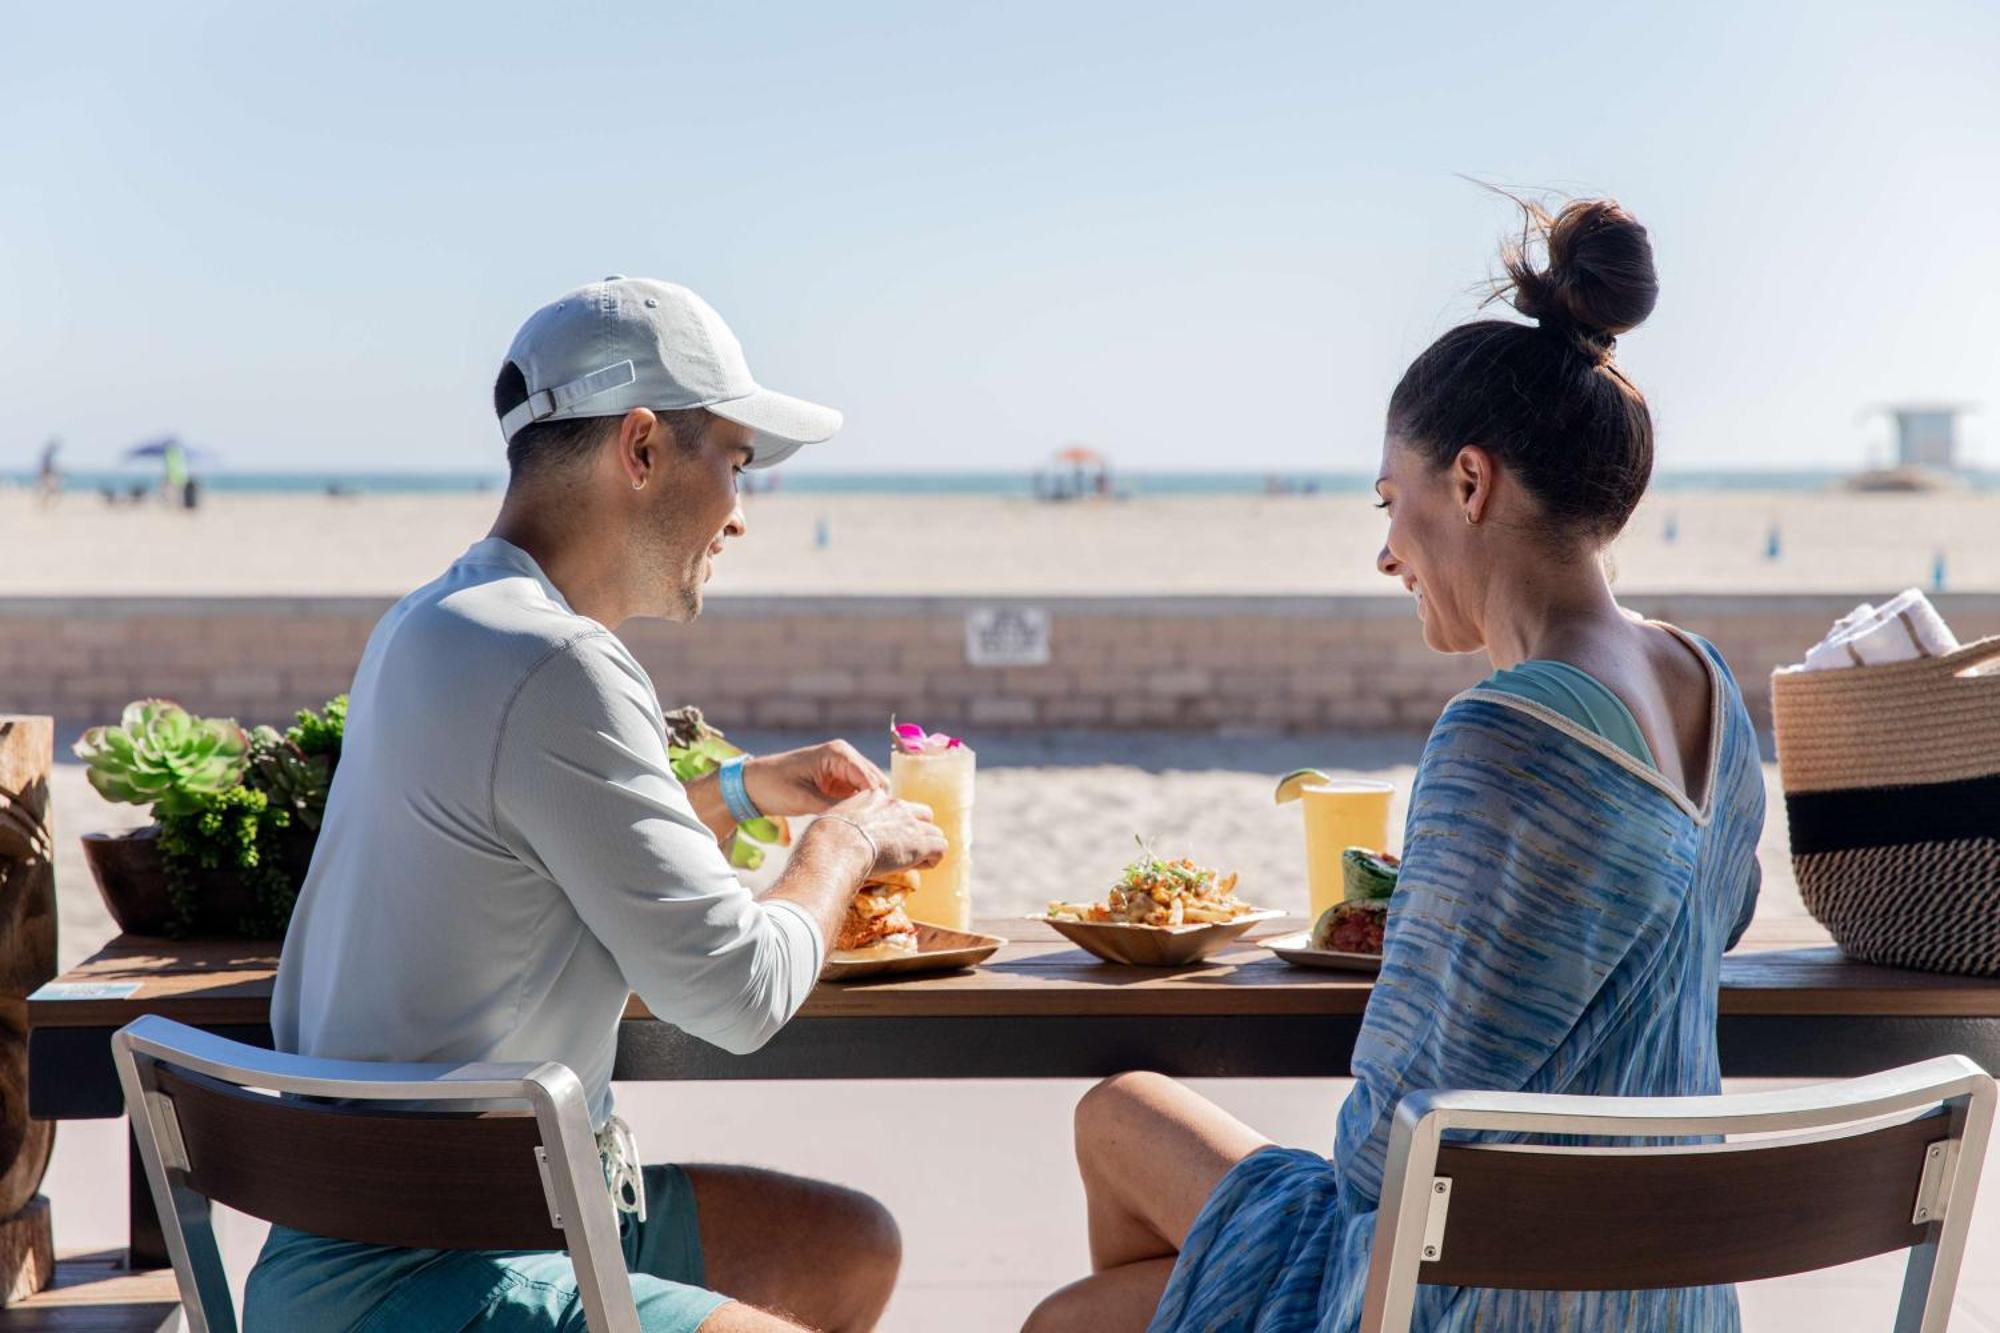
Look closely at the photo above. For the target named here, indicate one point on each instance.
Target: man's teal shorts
(310, 1284)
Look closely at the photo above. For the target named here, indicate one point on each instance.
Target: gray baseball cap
(604, 349)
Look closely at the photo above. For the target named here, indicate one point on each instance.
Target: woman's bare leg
(1151, 1152)
(1118, 1300)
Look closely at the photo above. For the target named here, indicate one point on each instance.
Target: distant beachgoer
(507, 855)
(174, 474)
(1581, 846)
(49, 481)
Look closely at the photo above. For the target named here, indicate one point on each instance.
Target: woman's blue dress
(1558, 927)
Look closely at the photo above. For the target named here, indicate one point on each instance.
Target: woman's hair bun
(1596, 280)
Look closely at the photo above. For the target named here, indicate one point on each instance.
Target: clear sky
(1196, 236)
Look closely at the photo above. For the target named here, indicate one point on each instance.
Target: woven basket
(1892, 788)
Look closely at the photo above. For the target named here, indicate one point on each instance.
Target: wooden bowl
(1154, 946)
(938, 950)
(1296, 950)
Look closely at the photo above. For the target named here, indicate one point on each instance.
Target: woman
(1581, 846)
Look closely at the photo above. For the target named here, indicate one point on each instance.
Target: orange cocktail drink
(937, 771)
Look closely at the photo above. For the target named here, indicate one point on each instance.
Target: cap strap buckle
(546, 403)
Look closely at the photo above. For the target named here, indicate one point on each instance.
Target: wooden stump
(27, 1250)
(27, 959)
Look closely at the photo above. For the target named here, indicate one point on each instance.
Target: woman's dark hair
(1546, 399)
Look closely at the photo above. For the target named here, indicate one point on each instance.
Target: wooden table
(1040, 1008)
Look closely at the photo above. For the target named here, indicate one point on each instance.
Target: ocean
(1022, 484)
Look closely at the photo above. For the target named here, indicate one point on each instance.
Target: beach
(939, 546)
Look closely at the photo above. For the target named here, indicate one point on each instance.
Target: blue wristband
(734, 794)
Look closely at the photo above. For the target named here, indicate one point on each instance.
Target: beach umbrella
(1077, 455)
(158, 448)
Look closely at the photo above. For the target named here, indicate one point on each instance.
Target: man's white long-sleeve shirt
(506, 853)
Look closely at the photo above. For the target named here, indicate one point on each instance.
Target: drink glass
(1346, 812)
(942, 780)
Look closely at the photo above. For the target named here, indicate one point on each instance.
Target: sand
(1056, 815)
(384, 545)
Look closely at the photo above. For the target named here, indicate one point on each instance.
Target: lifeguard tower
(1926, 449)
(1927, 436)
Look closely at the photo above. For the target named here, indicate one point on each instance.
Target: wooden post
(27, 959)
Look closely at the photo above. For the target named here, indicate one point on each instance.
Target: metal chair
(513, 1167)
(1849, 1170)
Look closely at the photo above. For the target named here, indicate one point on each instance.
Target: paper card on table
(87, 990)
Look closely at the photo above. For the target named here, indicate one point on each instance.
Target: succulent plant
(294, 780)
(161, 755)
(320, 733)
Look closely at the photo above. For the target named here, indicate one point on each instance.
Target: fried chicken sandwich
(876, 926)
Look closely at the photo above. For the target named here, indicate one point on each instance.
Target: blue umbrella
(158, 448)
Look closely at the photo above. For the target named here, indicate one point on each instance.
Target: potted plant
(235, 814)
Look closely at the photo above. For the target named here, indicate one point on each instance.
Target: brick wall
(845, 663)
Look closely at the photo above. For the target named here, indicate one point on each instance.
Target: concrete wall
(845, 663)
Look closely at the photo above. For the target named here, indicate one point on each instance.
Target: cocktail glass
(941, 779)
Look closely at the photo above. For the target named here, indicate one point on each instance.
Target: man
(506, 853)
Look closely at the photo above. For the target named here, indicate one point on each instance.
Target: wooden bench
(96, 1293)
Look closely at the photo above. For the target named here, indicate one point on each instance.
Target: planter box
(132, 878)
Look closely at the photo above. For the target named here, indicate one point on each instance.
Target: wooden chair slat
(1556, 1220)
(454, 1181)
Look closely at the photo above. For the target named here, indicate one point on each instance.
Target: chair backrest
(1841, 1171)
(475, 1156)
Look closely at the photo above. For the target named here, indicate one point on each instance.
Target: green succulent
(236, 832)
(320, 733)
(294, 780)
(161, 755)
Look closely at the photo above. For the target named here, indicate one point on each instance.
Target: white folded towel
(1902, 629)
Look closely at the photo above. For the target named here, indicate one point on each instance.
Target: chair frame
(1408, 1222)
(572, 1174)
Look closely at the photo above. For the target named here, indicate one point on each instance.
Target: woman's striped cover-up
(1558, 927)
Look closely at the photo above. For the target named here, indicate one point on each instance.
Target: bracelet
(874, 849)
(735, 795)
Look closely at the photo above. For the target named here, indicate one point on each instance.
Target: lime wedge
(1296, 781)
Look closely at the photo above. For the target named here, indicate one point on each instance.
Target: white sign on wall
(1002, 636)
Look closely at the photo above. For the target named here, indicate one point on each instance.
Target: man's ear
(638, 444)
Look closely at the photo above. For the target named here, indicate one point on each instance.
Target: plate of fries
(1160, 913)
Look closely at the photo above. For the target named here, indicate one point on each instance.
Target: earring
(639, 485)
(1469, 519)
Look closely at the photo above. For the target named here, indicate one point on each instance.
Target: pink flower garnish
(913, 739)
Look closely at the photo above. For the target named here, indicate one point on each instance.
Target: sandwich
(1354, 926)
(876, 926)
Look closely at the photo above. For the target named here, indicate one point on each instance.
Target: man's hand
(810, 781)
(829, 864)
(903, 831)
